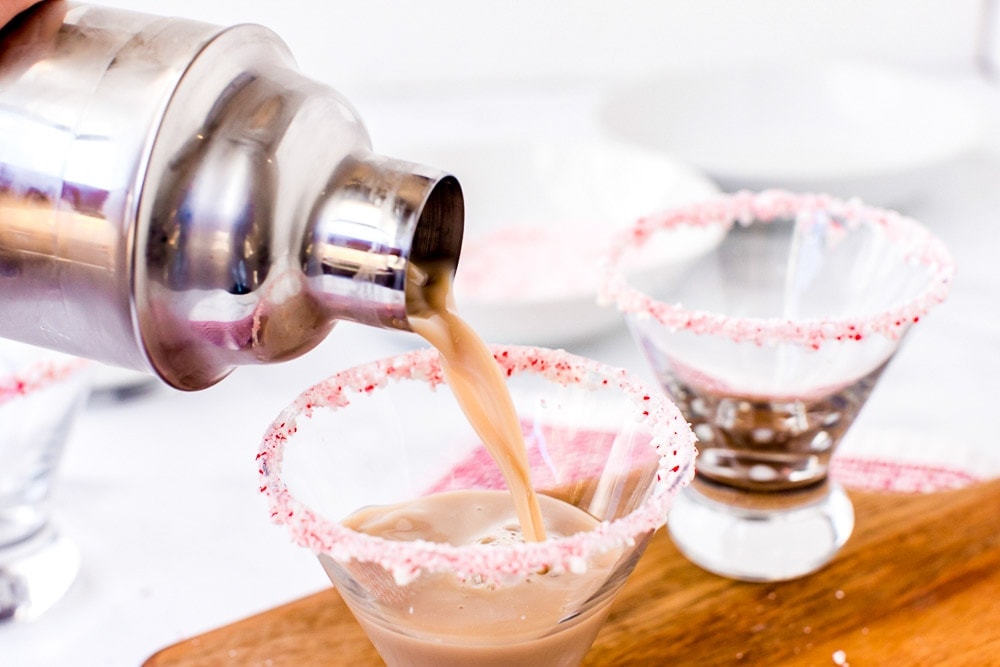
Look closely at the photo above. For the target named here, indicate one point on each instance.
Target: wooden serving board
(917, 584)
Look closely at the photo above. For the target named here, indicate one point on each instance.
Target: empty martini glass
(41, 394)
(770, 345)
(605, 453)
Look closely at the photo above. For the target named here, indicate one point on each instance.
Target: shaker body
(81, 95)
(175, 197)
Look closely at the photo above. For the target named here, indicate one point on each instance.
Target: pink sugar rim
(37, 376)
(746, 207)
(671, 437)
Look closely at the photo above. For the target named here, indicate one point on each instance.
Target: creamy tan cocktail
(446, 621)
(464, 621)
(435, 567)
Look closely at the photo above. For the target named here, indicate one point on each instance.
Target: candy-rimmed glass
(41, 394)
(770, 345)
(390, 431)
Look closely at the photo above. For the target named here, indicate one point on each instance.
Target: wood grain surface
(917, 584)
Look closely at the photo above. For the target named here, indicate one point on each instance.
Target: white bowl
(845, 128)
(538, 218)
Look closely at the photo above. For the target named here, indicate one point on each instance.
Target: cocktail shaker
(177, 197)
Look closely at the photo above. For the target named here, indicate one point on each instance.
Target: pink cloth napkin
(870, 474)
(558, 455)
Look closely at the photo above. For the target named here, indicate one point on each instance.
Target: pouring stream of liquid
(478, 384)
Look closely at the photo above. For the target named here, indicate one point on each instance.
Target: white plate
(845, 128)
(538, 218)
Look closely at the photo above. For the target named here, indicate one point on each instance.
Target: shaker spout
(378, 221)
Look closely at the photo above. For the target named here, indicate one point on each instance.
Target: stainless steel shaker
(175, 196)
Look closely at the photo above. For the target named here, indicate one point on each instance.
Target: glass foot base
(35, 574)
(760, 536)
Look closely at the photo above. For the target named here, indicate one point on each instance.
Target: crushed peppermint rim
(37, 376)
(745, 208)
(672, 439)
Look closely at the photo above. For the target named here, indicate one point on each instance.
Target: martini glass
(601, 448)
(770, 345)
(41, 393)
